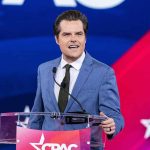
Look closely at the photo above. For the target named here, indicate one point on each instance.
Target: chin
(72, 58)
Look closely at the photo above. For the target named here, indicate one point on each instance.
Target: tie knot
(67, 66)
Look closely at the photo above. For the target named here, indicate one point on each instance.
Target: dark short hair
(70, 15)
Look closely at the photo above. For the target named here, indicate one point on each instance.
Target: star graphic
(35, 145)
(146, 123)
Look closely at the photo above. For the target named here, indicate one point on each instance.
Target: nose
(73, 38)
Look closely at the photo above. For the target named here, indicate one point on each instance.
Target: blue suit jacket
(95, 88)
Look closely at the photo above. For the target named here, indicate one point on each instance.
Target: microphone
(77, 119)
(62, 85)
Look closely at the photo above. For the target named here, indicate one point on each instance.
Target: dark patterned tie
(64, 90)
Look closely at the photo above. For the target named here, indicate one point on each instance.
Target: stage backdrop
(118, 35)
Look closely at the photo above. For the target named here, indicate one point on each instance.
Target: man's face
(71, 39)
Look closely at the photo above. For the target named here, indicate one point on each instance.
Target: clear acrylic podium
(11, 122)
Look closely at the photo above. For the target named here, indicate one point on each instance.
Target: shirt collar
(76, 64)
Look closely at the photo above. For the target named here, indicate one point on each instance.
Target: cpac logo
(94, 4)
(52, 146)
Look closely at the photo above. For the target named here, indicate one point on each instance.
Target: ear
(85, 40)
(56, 39)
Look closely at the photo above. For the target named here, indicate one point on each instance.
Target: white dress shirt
(74, 71)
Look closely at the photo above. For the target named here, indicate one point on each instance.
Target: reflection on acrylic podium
(59, 131)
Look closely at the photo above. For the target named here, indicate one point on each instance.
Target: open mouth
(73, 46)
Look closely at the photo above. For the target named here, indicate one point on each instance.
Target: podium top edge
(50, 114)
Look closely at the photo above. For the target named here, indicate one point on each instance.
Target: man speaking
(91, 83)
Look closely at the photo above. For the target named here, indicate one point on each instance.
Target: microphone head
(54, 69)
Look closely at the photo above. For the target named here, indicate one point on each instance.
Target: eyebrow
(66, 33)
(80, 32)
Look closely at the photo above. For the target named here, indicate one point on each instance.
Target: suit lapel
(52, 97)
(82, 78)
